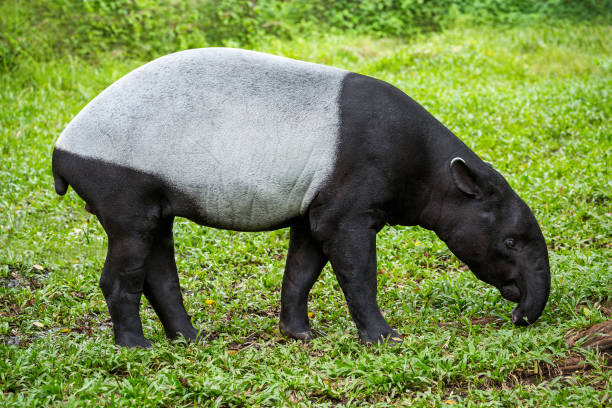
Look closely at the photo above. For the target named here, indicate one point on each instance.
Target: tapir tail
(61, 185)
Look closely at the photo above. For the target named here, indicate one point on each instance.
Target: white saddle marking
(250, 137)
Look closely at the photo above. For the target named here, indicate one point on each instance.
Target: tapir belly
(249, 138)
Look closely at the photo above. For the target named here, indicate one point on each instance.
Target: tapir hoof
(518, 319)
(190, 335)
(391, 338)
(133, 342)
(304, 334)
(199, 338)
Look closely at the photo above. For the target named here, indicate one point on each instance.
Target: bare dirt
(595, 338)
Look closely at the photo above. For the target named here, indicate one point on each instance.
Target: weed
(533, 100)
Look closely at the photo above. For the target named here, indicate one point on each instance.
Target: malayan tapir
(247, 141)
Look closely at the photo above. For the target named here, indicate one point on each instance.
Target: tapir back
(248, 137)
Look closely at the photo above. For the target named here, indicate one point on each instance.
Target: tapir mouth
(517, 317)
(534, 289)
(511, 292)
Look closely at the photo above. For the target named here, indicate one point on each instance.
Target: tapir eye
(510, 243)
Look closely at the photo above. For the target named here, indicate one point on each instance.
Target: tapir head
(495, 233)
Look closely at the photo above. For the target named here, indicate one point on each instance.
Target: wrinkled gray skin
(239, 140)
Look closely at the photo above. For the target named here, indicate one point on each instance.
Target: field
(535, 100)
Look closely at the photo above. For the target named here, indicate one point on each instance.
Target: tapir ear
(463, 177)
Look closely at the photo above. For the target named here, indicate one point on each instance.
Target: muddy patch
(494, 321)
(89, 326)
(23, 277)
(595, 338)
(256, 341)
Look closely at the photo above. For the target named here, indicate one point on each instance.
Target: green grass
(535, 101)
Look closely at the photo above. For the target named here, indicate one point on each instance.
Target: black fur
(137, 211)
(394, 165)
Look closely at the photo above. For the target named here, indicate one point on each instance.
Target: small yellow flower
(209, 302)
(310, 314)
(417, 243)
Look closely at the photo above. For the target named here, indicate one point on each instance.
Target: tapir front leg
(350, 244)
(305, 260)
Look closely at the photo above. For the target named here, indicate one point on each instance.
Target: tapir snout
(534, 286)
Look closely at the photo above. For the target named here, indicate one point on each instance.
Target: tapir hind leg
(305, 260)
(136, 214)
(161, 286)
(122, 281)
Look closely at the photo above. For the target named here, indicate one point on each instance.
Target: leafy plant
(532, 98)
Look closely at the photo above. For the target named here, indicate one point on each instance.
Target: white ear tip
(457, 159)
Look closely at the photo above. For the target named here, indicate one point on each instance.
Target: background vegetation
(525, 83)
(42, 29)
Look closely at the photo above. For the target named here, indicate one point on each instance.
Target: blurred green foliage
(44, 29)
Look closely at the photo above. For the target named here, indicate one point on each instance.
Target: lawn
(534, 100)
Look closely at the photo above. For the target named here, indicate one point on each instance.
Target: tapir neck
(433, 189)
(388, 132)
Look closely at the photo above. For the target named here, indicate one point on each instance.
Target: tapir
(247, 141)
